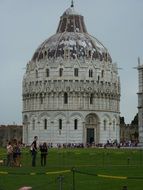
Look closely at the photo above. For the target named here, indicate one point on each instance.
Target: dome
(72, 41)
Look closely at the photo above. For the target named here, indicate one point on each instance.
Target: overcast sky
(25, 24)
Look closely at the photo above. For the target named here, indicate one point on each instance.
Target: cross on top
(72, 3)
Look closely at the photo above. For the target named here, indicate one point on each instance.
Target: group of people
(13, 154)
(43, 149)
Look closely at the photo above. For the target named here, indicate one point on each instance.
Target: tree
(135, 120)
(122, 120)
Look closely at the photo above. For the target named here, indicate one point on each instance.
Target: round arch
(91, 129)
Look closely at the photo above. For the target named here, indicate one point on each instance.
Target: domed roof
(72, 41)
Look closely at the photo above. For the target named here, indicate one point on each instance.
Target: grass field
(101, 169)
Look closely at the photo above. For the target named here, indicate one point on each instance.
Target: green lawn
(94, 169)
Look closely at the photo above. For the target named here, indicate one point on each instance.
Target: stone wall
(129, 132)
(9, 133)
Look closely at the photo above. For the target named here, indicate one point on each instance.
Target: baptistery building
(71, 88)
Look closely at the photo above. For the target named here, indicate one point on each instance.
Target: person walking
(34, 151)
(44, 153)
(9, 154)
(17, 154)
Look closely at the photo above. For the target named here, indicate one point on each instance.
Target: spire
(72, 3)
(139, 61)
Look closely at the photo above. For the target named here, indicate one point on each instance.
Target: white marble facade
(140, 102)
(71, 88)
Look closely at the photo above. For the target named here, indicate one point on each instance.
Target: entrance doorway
(90, 135)
(91, 132)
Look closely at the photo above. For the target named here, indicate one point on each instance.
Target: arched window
(98, 79)
(36, 73)
(90, 73)
(76, 72)
(111, 75)
(89, 53)
(91, 99)
(105, 124)
(75, 124)
(102, 73)
(114, 125)
(60, 124)
(47, 73)
(45, 53)
(45, 124)
(61, 72)
(65, 98)
(41, 99)
(33, 124)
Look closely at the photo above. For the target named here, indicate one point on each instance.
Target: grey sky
(25, 24)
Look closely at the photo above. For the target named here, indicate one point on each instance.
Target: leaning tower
(71, 88)
(140, 102)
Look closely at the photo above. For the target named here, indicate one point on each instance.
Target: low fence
(60, 180)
